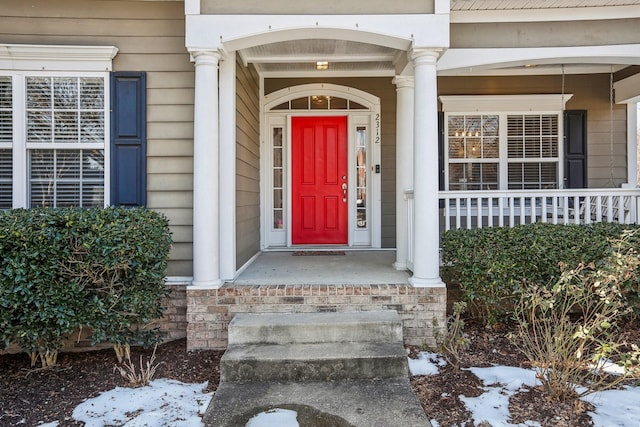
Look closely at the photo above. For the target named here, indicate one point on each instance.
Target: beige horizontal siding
(247, 164)
(169, 147)
(170, 182)
(169, 199)
(149, 37)
(181, 251)
(91, 9)
(178, 216)
(178, 267)
(178, 96)
(165, 165)
(181, 233)
(103, 26)
(545, 34)
(171, 130)
(154, 61)
(170, 113)
(171, 80)
(326, 7)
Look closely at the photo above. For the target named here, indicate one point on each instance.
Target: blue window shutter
(128, 139)
(575, 149)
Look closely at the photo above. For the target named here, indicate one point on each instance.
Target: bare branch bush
(138, 377)
(453, 341)
(569, 329)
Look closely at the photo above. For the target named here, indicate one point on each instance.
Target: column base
(419, 282)
(206, 284)
(400, 265)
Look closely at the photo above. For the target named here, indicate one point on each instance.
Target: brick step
(313, 362)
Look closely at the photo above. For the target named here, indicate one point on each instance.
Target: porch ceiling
(345, 58)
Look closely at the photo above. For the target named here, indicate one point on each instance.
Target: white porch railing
(471, 209)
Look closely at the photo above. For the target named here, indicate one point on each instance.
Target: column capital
(425, 55)
(402, 82)
(205, 56)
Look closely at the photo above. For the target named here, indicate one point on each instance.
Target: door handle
(344, 192)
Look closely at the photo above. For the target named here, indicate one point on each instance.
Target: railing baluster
(447, 213)
(532, 202)
(511, 211)
(554, 209)
(490, 211)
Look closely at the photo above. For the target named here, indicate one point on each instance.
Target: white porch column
(228, 166)
(206, 257)
(426, 241)
(632, 145)
(404, 164)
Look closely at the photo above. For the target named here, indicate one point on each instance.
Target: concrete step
(353, 403)
(313, 362)
(291, 328)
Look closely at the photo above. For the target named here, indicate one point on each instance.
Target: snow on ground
(426, 364)
(613, 408)
(275, 418)
(169, 403)
(500, 383)
(163, 403)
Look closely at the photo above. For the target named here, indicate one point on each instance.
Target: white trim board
(503, 103)
(28, 57)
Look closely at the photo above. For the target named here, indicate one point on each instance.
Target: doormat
(317, 253)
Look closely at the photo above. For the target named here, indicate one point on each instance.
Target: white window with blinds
(6, 143)
(65, 141)
(532, 150)
(503, 142)
(54, 126)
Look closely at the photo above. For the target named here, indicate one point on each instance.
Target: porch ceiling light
(322, 65)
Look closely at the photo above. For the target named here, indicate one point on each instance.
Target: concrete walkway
(352, 268)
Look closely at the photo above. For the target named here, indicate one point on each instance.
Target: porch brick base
(209, 311)
(173, 324)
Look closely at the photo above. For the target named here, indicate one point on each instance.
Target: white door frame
(367, 117)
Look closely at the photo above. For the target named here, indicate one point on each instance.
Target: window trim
(503, 106)
(21, 61)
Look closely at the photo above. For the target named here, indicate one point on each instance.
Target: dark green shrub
(69, 268)
(37, 303)
(120, 256)
(492, 265)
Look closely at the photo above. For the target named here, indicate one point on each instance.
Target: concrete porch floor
(352, 268)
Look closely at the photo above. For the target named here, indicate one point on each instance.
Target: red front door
(319, 180)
